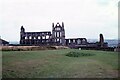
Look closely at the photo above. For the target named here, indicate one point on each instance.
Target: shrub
(78, 54)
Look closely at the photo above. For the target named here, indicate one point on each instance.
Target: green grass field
(54, 64)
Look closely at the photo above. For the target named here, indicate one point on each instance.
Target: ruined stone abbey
(56, 37)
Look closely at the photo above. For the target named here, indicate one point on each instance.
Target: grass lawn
(55, 64)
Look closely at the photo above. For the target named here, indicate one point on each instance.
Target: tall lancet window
(60, 40)
(57, 34)
(79, 41)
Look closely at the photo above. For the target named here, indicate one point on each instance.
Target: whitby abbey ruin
(56, 37)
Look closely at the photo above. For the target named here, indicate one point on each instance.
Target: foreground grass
(54, 64)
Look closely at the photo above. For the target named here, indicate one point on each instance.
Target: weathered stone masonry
(56, 37)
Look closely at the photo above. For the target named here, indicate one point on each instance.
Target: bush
(78, 54)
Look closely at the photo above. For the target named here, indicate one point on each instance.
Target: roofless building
(56, 37)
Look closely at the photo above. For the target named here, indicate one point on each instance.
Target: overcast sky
(82, 18)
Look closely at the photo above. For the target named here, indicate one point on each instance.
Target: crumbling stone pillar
(101, 40)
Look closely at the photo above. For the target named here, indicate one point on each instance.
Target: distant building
(117, 48)
(56, 37)
(3, 42)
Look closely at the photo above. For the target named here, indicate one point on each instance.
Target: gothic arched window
(39, 37)
(30, 37)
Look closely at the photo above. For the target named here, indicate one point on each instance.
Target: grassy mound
(78, 54)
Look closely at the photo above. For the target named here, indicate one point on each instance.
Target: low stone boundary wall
(30, 48)
(96, 48)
